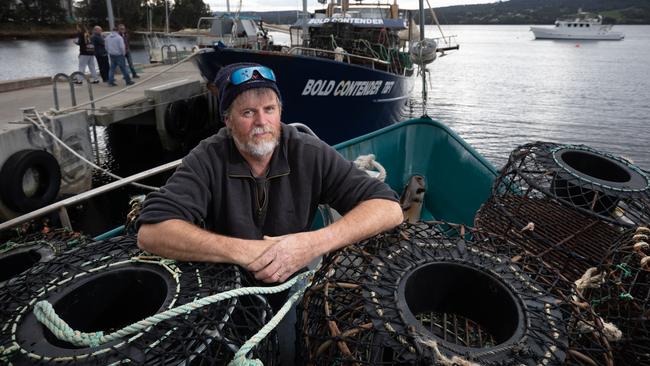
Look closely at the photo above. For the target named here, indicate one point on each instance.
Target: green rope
(240, 358)
(625, 269)
(596, 302)
(45, 313)
(625, 296)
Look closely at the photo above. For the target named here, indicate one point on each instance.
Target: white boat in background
(583, 26)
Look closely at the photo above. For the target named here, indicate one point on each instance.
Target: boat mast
(422, 67)
(305, 29)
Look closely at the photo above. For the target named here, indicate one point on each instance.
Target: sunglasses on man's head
(245, 74)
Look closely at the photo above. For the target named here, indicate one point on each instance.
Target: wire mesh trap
(568, 240)
(419, 296)
(108, 285)
(621, 296)
(566, 204)
(579, 177)
(22, 250)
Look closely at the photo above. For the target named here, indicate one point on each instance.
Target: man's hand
(291, 252)
(288, 254)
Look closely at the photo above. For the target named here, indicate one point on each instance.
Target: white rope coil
(370, 165)
(610, 330)
(444, 360)
(591, 279)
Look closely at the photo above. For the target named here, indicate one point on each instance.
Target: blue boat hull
(337, 100)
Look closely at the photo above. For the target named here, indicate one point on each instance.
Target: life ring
(107, 285)
(29, 179)
(384, 301)
(177, 121)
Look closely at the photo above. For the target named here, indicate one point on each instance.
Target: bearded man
(248, 195)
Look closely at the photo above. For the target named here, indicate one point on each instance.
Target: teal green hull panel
(458, 178)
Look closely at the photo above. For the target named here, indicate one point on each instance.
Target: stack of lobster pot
(568, 205)
(86, 306)
(438, 293)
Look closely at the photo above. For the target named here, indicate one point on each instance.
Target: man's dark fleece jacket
(215, 189)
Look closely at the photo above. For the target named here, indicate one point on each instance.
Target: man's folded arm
(181, 240)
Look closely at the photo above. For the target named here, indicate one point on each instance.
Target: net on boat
(434, 292)
(110, 284)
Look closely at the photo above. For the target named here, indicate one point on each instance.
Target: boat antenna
(424, 52)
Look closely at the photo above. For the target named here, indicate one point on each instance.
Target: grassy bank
(36, 32)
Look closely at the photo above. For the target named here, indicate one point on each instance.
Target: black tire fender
(13, 173)
(177, 119)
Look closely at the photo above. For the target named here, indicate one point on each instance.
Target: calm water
(28, 58)
(501, 89)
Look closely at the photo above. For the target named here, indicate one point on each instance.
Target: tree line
(134, 13)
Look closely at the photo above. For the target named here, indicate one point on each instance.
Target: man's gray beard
(259, 150)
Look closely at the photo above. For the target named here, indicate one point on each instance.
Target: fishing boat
(230, 29)
(348, 64)
(583, 26)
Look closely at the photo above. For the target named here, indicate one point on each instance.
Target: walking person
(100, 52)
(86, 54)
(129, 59)
(116, 52)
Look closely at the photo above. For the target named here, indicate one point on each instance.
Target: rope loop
(368, 162)
(46, 314)
(591, 279)
(240, 358)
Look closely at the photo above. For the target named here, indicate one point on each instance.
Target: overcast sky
(269, 5)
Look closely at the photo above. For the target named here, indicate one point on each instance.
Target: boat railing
(346, 56)
(60, 206)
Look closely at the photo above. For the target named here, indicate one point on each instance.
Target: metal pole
(305, 29)
(422, 20)
(228, 6)
(89, 194)
(423, 69)
(111, 18)
(167, 16)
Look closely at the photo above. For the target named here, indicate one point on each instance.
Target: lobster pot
(566, 203)
(108, 285)
(418, 296)
(623, 297)
(18, 254)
